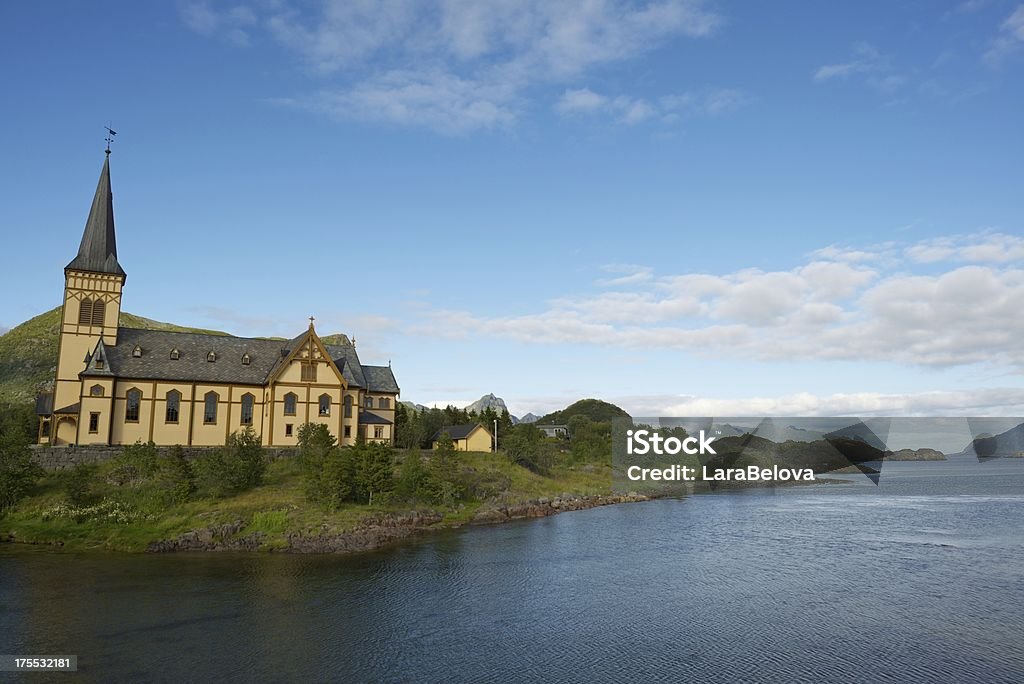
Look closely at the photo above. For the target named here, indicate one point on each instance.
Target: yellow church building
(117, 385)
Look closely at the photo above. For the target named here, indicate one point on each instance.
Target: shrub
(79, 485)
(18, 473)
(237, 467)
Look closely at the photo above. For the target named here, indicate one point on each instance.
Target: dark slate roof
(370, 418)
(265, 356)
(73, 409)
(44, 404)
(98, 354)
(192, 366)
(380, 379)
(347, 361)
(457, 431)
(98, 251)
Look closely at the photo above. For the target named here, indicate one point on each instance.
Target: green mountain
(28, 353)
(594, 409)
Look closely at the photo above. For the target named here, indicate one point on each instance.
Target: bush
(334, 475)
(413, 483)
(18, 473)
(79, 485)
(237, 467)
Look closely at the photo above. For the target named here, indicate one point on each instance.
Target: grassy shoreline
(273, 515)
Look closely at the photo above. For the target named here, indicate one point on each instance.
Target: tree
(18, 472)
(413, 479)
(445, 483)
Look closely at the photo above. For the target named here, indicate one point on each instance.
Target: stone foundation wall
(61, 457)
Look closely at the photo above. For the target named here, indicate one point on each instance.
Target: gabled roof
(459, 431)
(265, 358)
(98, 250)
(92, 369)
(380, 379)
(191, 364)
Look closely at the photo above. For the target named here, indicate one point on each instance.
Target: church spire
(98, 251)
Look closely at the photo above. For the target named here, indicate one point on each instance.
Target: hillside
(28, 352)
(594, 409)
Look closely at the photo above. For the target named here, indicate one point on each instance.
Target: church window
(94, 423)
(96, 391)
(309, 372)
(137, 352)
(325, 405)
(210, 408)
(173, 406)
(378, 432)
(348, 405)
(99, 308)
(369, 401)
(383, 403)
(211, 357)
(131, 411)
(98, 364)
(175, 355)
(289, 404)
(288, 430)
(85, 311)
(245, 359)
(348, 431)
(247, 401)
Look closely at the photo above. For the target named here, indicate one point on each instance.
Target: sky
(683, 207)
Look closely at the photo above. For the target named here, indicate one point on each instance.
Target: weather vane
(110, 137)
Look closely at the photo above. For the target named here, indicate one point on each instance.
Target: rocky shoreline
(378, 531)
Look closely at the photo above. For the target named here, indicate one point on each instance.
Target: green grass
(277, 508)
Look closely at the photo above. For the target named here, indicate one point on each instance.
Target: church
(117, 385)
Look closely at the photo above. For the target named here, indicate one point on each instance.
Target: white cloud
(458, 66)
(582, 100)
(825, 309)
(439, 101)
(233, 24)
(866, 58)
(633, 110)
(986, 247)
(1010, 38)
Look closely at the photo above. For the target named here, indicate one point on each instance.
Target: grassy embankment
(278, 507)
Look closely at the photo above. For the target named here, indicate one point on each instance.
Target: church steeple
(98, 251)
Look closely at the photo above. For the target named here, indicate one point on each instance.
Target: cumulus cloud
(826, 309)
(988, 247)
(457, 66)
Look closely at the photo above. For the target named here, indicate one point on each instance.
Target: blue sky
(685, 207)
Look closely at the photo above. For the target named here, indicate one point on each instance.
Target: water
(912, 582)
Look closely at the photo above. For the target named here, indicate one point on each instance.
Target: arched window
(131, 409)
(173, 405)
(211, 357)
(245, 359)
(96, 391)
(383, 403)
(289, 403)
(369, 401)
(325, 404)
(137, 352)
(247, 401)
(99, 309)
(175, 355)
(210, 407)
(85, 311)
(348, 405)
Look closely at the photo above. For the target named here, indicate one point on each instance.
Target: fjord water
(920, 579)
